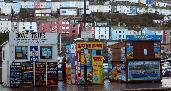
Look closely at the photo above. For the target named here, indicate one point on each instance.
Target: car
(166, 72)
(105, 70)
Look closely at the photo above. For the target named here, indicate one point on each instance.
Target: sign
(30, 38)
(97, 60)
(87, 34)
(89, 45)
(129, 51)
(34, 53)
(143, 37)
(157, 50)
(70, 48)
(143, 70)
(46, 52)
(21, 52)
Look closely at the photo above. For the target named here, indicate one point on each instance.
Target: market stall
(85, 58)
(136, 59)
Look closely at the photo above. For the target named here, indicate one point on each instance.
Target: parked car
(166, 72)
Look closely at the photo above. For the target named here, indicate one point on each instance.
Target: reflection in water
(107, 86)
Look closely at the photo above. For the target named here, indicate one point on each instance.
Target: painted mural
(143, 70)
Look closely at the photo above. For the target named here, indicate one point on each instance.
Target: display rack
(40, 74)
(15, 74)
(27, 74)
(52, 73)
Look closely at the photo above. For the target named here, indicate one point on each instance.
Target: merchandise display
(52, 73)
(40, 74)
(27, 74)
(15, 74)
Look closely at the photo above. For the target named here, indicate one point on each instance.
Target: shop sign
(143, 37)
(89, 45)
(26, 38)
(143, 70)
(97, 60)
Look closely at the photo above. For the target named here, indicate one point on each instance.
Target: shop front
(86, 62)
(138, 59)
(32, 60)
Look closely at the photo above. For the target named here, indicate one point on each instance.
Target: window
(21, 52)
(98, 52)
(46, 52)
(119, 36)
(119, 31)
(73, 26)
(23, 27)
(73, 31)
(15, 27)
(145, 51)
(63, 11)
(30, 27)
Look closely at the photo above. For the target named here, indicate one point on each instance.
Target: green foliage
(4, 37)
(113, 19)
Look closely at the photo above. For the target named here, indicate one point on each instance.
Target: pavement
(164, 85)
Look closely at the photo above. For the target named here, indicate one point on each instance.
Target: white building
(24, 26)
(23, 47)
(43, 12)
(123, 9)
(133, 32)
(69, 11)
(141, 10)
(5, 24)
(118, 33)
(5, 8)
(100, 8)
(55, 6)
(101, 30)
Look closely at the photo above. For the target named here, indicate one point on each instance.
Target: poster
(68, 74)
(97, 60)
(52, 73)
(46, 52)
(143, 70)
(21, 52)
(117, 72)
(98, 74)
(157, 50)
(129, 51)
(34, 53)
(97, 64)
(89, 73)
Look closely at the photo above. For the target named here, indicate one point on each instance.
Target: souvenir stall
(136, 59)
(143, 54)
(85, 58)
(32, 58)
